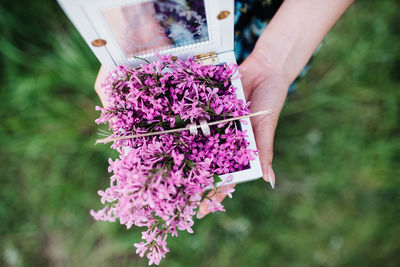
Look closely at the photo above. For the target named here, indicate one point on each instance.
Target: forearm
(294, 33)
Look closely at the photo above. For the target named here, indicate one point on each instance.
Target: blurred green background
(337, 159)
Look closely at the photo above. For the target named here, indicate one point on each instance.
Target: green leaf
(217, 178)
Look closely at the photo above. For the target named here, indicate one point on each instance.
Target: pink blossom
(157, 182)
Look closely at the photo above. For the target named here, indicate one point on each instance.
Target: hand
(280, 54)
(266, 89)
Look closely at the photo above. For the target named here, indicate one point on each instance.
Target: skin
(280, 54)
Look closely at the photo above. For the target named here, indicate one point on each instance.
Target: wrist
(258, 69)
(290, 39)
(274, 54)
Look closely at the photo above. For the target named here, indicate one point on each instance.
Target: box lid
(119, 31)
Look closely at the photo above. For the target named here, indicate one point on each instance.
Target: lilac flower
(157, 182)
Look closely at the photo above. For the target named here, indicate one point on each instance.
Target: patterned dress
(251, 18)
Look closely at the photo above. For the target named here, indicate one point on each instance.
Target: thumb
(264, 130)
(272, 98)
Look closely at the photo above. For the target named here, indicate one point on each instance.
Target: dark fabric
(251, 17)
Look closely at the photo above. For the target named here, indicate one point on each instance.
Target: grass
(337, 156)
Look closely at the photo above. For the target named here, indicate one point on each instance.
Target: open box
(120, 31)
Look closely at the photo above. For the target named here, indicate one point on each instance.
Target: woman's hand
(280, 54)
(266, 89)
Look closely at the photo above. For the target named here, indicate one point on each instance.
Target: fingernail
(271, 177)
(199, 215)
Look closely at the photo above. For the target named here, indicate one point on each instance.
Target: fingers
(264, 130)
(101, 76)
(268, 95)
(219, 196)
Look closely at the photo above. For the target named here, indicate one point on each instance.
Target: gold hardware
(208, 58)
(174, 58)
(99, 42)
(223, 14)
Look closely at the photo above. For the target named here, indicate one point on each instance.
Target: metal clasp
(208, 58)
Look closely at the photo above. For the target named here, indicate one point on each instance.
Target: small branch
(112, 139)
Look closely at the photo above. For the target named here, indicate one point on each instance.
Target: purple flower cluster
(158, 181)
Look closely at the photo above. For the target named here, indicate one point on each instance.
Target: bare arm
(295, 32)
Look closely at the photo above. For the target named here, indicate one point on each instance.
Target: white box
(119, 31)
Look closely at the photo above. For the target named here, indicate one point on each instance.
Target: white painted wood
(226, 25)
(87, 17)
(78, 17)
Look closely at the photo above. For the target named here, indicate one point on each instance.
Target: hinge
(208, 58)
